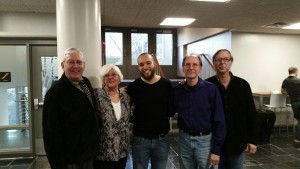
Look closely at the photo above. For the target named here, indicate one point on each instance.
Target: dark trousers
(121, 164)
(86, 165)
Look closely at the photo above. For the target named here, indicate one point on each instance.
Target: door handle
(37, 104)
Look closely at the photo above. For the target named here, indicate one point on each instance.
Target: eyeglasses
(223, 59)
(73, 62)
(188, 65)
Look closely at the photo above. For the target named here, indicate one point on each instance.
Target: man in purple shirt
(200, 118)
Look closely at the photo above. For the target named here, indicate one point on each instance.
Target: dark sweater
(150, 116)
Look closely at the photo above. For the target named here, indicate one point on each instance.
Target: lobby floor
(279, 153)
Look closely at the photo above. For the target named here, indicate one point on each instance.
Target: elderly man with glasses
(240, 112)
(70, 128)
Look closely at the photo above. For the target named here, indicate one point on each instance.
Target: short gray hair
(106, 68)
(69, 51)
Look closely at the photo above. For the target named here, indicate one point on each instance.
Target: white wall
(189, 35)
(27, 25)
(207, 46)
(263, 59)
(211, 45)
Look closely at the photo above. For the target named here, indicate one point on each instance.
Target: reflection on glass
(18, 112)
(164, 48)
(139, 44)
(14, 94)
(49, 72)
(114, 48)
(14, 104)
(14, 140)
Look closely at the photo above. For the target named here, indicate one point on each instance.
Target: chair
(278, 101)
(294, 120)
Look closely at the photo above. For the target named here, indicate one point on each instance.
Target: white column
(78, 25)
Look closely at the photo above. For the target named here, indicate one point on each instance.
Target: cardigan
(115, 134)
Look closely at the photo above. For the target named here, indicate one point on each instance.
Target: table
(260, 96)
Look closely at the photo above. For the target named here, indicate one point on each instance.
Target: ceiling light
(292, 26)
(212, 0)
(177, 21)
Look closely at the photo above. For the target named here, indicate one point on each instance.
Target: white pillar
(78, 25)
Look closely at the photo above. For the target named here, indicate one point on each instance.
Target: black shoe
(296, 142)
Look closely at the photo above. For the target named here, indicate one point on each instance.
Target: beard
(148, 77)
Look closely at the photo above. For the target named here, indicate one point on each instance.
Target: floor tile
(279, 153)
(4, 163)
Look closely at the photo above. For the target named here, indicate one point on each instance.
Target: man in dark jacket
(240, 112)
(70, 128)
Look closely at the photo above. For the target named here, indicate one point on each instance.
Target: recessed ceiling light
(177, 21)
(212, 0)
(292, 26)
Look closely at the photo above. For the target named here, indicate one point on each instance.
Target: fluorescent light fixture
(212, 0)
(177, 21)
(293, 26)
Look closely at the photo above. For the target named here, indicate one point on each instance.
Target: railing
(208, 60)
(158, 69)
(208, 68)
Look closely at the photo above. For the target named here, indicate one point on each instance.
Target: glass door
(15, 111)
(122, 46)
(44, 72)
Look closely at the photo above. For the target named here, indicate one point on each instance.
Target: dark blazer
(70, 127)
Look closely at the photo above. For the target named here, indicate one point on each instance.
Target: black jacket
(240, 114)
(70, 127)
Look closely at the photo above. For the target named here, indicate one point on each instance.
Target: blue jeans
(232, 161)
(194, 151)
(155, 150)
(296, 111)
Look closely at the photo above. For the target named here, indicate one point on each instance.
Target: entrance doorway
(44, 72)
(26, 72)
(15, 112)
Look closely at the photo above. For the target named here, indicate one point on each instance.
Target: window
(164, 48)
(139, 44)
(114, 48)
(124, 45)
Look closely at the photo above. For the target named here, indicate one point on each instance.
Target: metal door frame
(28, 43)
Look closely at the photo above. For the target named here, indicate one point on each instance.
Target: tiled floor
(280, 153)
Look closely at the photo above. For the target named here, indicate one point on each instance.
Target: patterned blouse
(114, 135)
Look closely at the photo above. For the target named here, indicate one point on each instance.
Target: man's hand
(214, 159)
(251, 148)
(283, 91)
